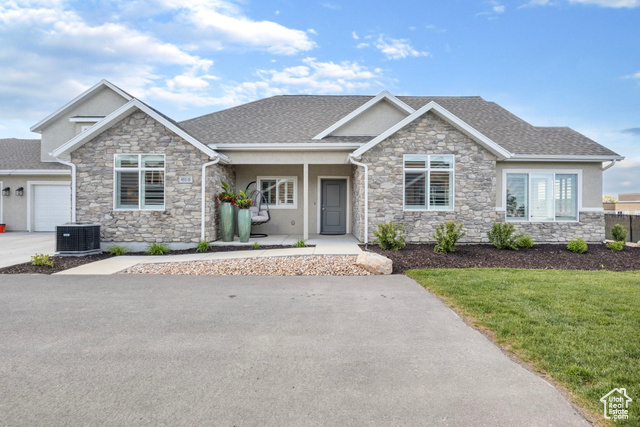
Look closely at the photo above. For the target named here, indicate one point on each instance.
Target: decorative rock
(374, 263)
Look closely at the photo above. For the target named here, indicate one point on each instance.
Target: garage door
(51, 206)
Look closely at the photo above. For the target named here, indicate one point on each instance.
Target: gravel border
(311, 265)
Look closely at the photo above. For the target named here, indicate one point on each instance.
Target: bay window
(428, 182)
(139, 181)
(541, 196)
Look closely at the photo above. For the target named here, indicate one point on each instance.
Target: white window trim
(138, 169)
(428, 169)
(319, 204)
(555, 172)
(295, 191)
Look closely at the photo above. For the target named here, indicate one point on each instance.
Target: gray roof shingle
(298, 118)
(24, 154)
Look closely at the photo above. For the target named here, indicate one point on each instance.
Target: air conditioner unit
(78, 238)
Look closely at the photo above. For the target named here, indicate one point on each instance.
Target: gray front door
(333, 211)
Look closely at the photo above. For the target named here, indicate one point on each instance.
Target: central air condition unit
(78, 238)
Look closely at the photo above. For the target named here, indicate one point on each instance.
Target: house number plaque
(185, 179)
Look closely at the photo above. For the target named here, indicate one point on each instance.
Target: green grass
(580, 327)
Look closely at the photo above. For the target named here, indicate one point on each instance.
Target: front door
(333, 209)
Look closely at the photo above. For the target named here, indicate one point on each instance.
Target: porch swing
(259, 210)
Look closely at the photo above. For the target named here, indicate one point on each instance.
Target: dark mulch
(555, 257)
(62, 263)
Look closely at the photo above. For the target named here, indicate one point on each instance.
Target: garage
(51, 206)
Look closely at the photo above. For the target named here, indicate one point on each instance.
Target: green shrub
(501, 235)
(256, 245)
(157, 249)
(299, 244)
(615, 246)
(619, 233)
(42, 259)
(578, 246)
(117, 250)
(524, 241)
(389, 236)
(203, 246)
(447, 236)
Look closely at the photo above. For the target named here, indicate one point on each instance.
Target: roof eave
(563, 158)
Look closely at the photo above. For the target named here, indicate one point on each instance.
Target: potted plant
(243, 202)
(227, 199)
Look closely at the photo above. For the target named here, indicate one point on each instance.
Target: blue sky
(552, 62)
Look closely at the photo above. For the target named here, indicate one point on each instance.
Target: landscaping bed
(61, 263)
(541, 256)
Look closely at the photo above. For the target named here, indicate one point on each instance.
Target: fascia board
(38, 126)
(364, 107)
(561, 158)
(288, 147)
(35, 172)
(500, 152)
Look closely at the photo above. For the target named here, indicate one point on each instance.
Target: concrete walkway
(17, 247)
(276, 351)
(325, 245)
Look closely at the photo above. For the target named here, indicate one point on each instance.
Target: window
(139, 181)
(279, 192)
(428, 182)
(542, 196)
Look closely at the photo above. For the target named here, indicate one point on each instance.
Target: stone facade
(357, 202)
(180, 221)
(474, 190)
(590, 228)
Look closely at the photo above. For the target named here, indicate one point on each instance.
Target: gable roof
(24, 154)
(122, 113)
(298, 119)
(77, 100)
(384, 95)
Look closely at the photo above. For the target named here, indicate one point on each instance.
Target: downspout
(204, 186)
(613, 162)
(73, 187)
(366, 198)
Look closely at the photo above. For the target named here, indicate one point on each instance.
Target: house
(628, 204)
(327, 165)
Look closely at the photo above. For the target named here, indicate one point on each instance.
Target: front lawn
(580, 327)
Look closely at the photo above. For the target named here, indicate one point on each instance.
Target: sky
(569, 63)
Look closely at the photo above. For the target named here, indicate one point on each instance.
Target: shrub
(256, 245)
(619, 233)
(578, 246)
(203, 246)
(447, 236)
(117, 250)
(524, 241)
(42, 259)
(299, 244)
(501, 235)
(389, 236)
(157, 249)
(615, 246)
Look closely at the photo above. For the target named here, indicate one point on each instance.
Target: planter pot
(244, 225)
(227, 224)
(2, 227)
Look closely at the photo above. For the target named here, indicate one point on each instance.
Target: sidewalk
(116, 264)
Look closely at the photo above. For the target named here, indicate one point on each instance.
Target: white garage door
(51, 206)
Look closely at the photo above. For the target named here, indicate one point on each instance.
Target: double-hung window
(428, 182)
(279, 192)
(541, 196)
(139, 181)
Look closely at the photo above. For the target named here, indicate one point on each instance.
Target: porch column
(305, 201)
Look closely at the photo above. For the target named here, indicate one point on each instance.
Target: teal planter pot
(227, 224)
(244, 224)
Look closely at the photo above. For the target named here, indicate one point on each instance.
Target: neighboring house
(334, 165)
(628, 204)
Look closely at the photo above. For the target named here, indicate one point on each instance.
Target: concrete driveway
(253, 351)
(17, 247)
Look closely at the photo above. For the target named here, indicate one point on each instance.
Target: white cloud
(355, 36)
(397, 48)
(499, 8)
(331, 6)
(610, 3)
(536, 3)
(362, 45)
(622, 178)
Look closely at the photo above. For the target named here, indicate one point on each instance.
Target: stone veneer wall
(590, 228)
(357, 202)
(180, 222)
(475, 181)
